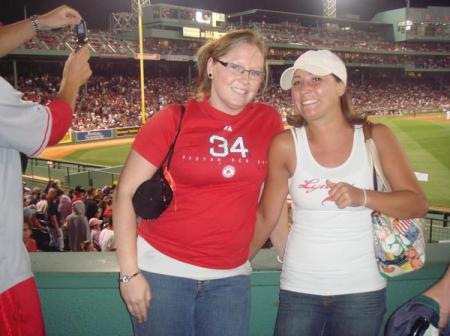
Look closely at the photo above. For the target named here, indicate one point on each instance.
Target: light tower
(135, 5)
(329, 8)
(127, 21)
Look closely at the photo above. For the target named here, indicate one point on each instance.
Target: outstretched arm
(76, 72)
(14, 35)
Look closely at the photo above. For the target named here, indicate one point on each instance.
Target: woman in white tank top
(329, 283)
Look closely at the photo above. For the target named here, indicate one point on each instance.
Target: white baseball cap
(317, 62)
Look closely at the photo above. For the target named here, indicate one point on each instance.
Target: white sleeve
(24, 126)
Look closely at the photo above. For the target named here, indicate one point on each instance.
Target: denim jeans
(187, 307)
(350, 314)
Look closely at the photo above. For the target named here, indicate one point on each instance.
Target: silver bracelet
(36, 23)
(365, 197)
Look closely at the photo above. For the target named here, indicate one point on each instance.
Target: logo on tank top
(312, 185)
(228, 171)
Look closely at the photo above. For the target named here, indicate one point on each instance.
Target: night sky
(97, 12)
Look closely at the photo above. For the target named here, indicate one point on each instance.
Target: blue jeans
(350, 314)
(187, 307)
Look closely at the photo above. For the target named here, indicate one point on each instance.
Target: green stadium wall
(80, 296)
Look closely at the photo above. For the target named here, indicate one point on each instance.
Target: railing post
(431, 231)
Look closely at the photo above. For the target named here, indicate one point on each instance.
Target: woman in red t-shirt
(188, 271)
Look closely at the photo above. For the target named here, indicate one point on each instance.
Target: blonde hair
(216, 49)
(352, 117)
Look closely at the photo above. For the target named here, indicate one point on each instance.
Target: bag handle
(368, 140)
(169, 154)
(374, 158)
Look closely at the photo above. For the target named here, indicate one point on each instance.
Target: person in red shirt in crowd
(187, 272)
(78, 194)
(29, 242)
(108, 209)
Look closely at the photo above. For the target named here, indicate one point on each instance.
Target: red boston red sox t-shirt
(218, 166)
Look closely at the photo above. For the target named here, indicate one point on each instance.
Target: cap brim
(286, 77)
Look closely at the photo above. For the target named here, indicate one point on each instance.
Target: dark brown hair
(216, 49)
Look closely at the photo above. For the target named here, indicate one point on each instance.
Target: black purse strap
(169, 154)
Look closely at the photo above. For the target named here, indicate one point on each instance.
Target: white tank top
(329, 250)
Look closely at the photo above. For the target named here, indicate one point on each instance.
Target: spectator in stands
(29, 242)
(35, 196)
(107, 98)
(106, 238)
(95, 226)
(90, 203)
(78, 230)
(29, 127)
(54, 218)
(55, 184)
(64, 205)
(78, 194)
(330, 281)
(70, 193)
(87, 246)
(218, 167)
(98, 196)
(31, 213)
(41, 206)
(107, 213)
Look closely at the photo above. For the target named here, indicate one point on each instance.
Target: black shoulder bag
(153, 196)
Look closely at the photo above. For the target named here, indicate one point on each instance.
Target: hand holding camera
(60, 17)
(80, 31)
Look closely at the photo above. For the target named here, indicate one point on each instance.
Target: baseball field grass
(426, 142)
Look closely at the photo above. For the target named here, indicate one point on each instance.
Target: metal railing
(437, 228)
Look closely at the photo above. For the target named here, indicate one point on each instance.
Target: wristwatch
(36, 24)
(127, 278)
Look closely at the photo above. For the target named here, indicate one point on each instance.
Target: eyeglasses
(239, 70)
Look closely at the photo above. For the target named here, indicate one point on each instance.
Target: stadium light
(329, 8)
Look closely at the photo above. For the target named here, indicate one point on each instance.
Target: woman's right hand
(137, 295)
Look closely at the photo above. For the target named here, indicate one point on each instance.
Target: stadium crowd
(79, 220)
(292, 33)
(331, 36)
(114, 102)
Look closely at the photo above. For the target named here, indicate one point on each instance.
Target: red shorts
(20, 311)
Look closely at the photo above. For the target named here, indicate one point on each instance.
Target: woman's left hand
(345, 195)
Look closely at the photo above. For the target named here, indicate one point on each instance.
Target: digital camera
(80, 31)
